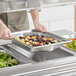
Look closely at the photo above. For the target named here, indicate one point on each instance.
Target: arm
(35, 17)
(5, 33)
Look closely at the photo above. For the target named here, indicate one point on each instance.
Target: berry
(39, 44)
(34, 44)
(47, 42)
(43, 40)
(42, 36)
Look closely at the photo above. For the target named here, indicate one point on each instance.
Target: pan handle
(34, 30)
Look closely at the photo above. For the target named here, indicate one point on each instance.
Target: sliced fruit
(22, 41)
(50, 39)
(27, 43)
(26, 40)
(28, 37)
(41, 44)
(55, 41)
(33, 37)
(30, 41)
(44, 38)
(34, 42)
(17, 38)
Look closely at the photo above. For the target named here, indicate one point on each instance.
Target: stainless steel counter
(59, 62)
(58, 3)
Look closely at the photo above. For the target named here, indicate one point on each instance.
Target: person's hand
(5, 33)
(40, 27)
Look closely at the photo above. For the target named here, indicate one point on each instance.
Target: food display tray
(49, 47)
(5, 51)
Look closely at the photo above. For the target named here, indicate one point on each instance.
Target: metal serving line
(59, 62)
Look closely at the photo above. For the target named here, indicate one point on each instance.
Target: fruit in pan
(47, 42)
(22, 41)
(44, 43)
(38, 44)
(51, 42)
(34, 44)
(33, 37)
(27, 43)
(55, 41)
(21, 37)
(17, 38)
(44, 38)
(36, 40)
(26, 40)
(28, 37)
(30, 41)
(50, 39)
(41, 44)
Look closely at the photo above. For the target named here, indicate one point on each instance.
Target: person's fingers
(44, 29)
(41, 28)
(9, 34)
(5, 36)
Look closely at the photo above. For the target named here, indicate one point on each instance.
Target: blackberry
(42, 36)
(47, 42)
(34, 44)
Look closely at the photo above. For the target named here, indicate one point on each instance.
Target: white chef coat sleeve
(34, 3)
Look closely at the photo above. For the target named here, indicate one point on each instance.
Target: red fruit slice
(38, 44)
(47, 40)
(41, 38)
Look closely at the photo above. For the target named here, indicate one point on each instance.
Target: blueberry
(43, 40)
(30, 36)
(32, 39)
(37, 35)
(34, 44)
(51, 41)
(40, 41)
(33, 35)
(47, 42)
(42, 36)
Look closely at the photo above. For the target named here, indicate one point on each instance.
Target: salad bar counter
(17, 58)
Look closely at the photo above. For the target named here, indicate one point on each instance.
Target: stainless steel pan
(39, 48)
